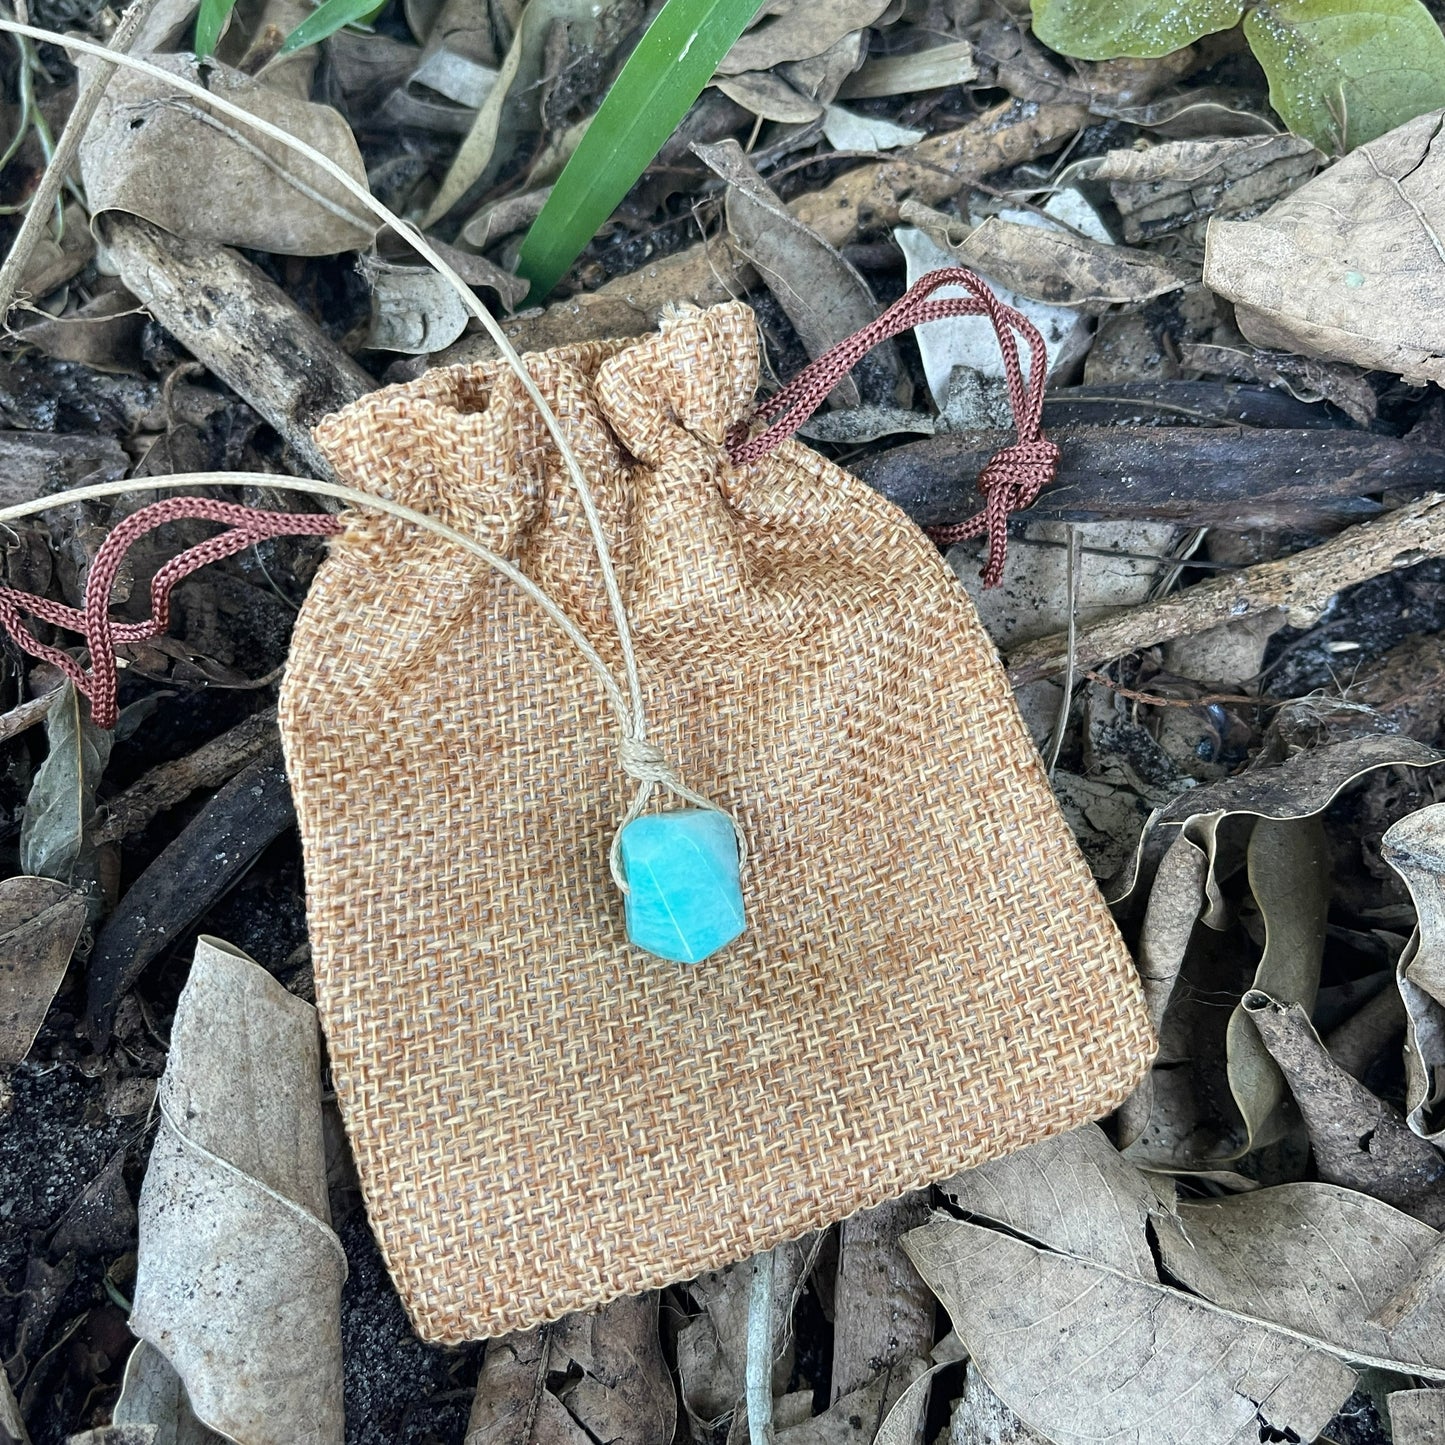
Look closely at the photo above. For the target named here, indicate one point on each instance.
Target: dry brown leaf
(40, 922)
(12, 1427)
(798, 30)
(933, 69)
(1114, 570)
(238, 1280)
(1415, 848)
(1180, 182)
(796, 93)
(52, 263)
(1302, 785)
(512, 1405)
(1301, 376)
(1289, 878)
(1187, 849)
(617, 1387)
(1061, 269)
(770, 97)
(969, 341)
(495, 220)
(104, 332)
(848, 130)
(1316, 1259)
(823, 295)
(1417, 1417)
(905, 1422)
(1350, 267)
(152, 1396)
(1176, 902)
(625, 1394)
(1082, 1352)
(414, 309)
(821, 76)
(1074, 1193)
(511, 110)
(159, 155)
(857, 1417)
(1359, 1141)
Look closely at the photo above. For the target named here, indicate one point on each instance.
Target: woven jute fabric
(543, 1116)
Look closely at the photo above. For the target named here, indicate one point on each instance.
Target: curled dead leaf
(153, 152)
(1350, 267)
(238, 1282)
(1415, 848)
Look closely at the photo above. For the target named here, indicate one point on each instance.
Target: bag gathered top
(719, 898)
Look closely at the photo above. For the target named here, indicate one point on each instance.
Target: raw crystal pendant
(684, 900)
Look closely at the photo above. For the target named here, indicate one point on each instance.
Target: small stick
(211, 765)
(1153, 699)
(1300, 585)
(37, 217)
(759, 1369)
(26, 714)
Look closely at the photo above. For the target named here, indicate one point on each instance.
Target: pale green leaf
(327, 19)
(1107, 29)
(211, 19)
(1342, 72)
(56, 833)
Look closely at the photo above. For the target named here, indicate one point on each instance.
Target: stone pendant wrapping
(684, 898)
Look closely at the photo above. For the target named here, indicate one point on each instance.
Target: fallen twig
(26, 715)
(1221, 476)
(241, 326)
(214, 850)
(170, 783)
(1299, 585)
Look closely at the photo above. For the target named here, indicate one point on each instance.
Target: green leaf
(56, 834)
(1107, 29)
(1342, 72)
(210, 21)
(327, 19)
(673, 61)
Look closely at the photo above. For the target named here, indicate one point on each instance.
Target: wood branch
(859, 201)
(1228, 476)
(214, 850)
(1300, 585)
(26, 714)
(883, 1311)
(240, 326)
(208, 767)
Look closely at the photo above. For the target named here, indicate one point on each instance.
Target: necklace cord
(1012, 479)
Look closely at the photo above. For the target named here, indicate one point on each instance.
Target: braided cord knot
(1012, 479)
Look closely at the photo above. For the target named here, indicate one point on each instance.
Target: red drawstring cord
(1013, 477)
(1012, 480)
(93, 622)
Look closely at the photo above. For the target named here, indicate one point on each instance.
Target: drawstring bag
(692, 882)
(545, 1116)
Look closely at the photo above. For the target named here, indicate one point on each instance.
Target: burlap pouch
(543, 1116)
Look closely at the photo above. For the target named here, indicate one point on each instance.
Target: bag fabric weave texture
(544, 1117)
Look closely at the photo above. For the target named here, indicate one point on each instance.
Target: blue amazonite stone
(684, 900)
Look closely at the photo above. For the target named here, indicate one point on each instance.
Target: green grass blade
(673, 61)
(210, 21)
(326, 20)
